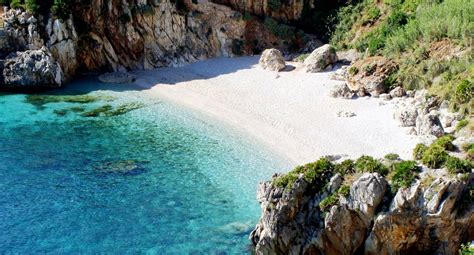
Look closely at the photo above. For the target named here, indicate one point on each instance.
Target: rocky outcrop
(32, 69)
(272, 60)
(427, 220)
(320, 59)
(369, 75)
(124, 35)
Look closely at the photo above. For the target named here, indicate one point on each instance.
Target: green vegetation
(462, 124)
(333, 199)
(431, 52)
(345, 167)
(466, 249)
(353, 70)
(445, 142)
(31, 6)
(404, 173)
(316, 173)
(458, 166)
(392, 156)
(435, 156)
(371, 165)
(419, 151)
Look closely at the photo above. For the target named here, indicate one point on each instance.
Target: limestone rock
(348, 56)
(320, 59)
(406, 115)
(397, 92)
(341, 91)
(367, 193)
(272, 60)
(32, 69)
(429, 124)
(371, 75)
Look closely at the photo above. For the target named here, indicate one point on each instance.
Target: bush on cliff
(419, 151)
(435, 156)
(316, 173)
(404, 173)
(445, 142)
(458, 166)
(369, 164)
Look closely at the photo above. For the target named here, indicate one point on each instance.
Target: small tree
(31, 6)
(15, 4)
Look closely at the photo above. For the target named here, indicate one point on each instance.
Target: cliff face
(105, 35)
(424, 219)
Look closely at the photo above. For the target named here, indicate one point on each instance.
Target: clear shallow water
(155, 180)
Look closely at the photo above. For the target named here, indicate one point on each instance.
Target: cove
(118, 171)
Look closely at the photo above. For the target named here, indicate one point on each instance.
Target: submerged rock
(117, 77)
(32, 69)
(272, 60)
(320, 59)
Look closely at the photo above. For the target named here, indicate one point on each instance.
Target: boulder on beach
(272, 60)
(32, 69)
(370, 74)
(117, 77)
(320, 59)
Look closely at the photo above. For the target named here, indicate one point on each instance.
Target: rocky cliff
(360, 214)
(123, 35)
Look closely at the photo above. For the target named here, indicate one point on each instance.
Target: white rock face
(272, 60)
(32, 69)
(320, 59)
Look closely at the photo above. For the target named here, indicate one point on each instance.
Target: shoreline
(291, 113)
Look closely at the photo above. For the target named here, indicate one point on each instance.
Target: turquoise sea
(111, 169)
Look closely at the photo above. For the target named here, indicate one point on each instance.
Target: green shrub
(371, 165)
(316, 173)
(419, 151)
(435, 156)
(353, 70)
(461, 124)
(392, 156)
(372, 14)
(457, 166)
(466, 249)
(328, 202)
(464, 92)
(31, 6)
(405, 173)
(345, 167)
(344, 190)
(16, 4)
(445, 142)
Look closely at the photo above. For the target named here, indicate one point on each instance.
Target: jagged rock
(334, 183)
(32, 69)
(418, 220)
(371, 75)
(117, 77)
(341, 90)
(272, 60)
(429, 124)
(320, 59)
(422, 221)
(367, 193)
(397, 92)
(406, 115)
(340, 74)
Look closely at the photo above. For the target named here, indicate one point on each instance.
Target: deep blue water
(156, 180)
